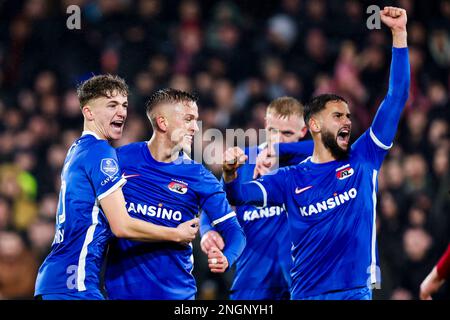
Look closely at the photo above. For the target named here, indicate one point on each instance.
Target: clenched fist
(217, 262)
(233, 159)
(266, 162)
(211, 239)
(394, 18)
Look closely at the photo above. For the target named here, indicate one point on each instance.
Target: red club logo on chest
(178, 187)
(344, 172)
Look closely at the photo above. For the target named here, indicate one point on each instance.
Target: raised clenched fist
(394, 18)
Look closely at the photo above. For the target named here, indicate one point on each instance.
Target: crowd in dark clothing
(236, 56)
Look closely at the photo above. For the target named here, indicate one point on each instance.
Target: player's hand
(187, 231)
(211, 239)
(217, 262)
(395, 18)
(430, 285)
(233, 158)
(265, 162)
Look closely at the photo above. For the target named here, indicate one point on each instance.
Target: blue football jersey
(331, 218)
(165, 194)
(332, 206)
(266, 260)
(90, 173)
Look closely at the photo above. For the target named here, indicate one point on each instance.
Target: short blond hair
(285, 107)
(169, 96)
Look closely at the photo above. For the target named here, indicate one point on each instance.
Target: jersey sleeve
(273, 187)
(205, 224)
(213, 199)
(102, 167)
(221, 216)
(443, 266)
(369, 150)
(385, 122)
(377, 140)
(205, 221)
(267, 190)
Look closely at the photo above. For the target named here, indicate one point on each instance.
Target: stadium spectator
(436, 278)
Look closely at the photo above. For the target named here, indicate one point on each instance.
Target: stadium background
(237, 56)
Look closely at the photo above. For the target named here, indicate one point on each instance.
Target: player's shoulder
(195, 166)
(356, 146)
(93, 153)
(298, 166)
(281, 174)
(130, 148)
(366, 145)
(185, 161)
(194, 172)
(97, 148)
(187, 166)
(295, 171)
(201, 171)
(368, 140)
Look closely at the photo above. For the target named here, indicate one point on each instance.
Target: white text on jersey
(250, 215)
(154, 211)
(330, 203)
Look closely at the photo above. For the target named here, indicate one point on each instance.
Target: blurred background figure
(237, 56)
(18, 267)
(437, 277)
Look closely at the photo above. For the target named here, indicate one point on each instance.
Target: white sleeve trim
(378, 142)
(119, 184)
(225, 217)
(264, 192)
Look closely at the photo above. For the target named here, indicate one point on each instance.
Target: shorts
(82, 295)
(361, 293)
(261, 294)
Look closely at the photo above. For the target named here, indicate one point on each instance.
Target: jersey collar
(85, 132)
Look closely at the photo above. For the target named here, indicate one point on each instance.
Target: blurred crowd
(236, 56)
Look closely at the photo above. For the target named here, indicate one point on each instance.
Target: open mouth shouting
(117, 125)
(343, 136)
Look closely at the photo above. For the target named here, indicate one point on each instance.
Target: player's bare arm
(124, 226)
(430, 285)
(437, 277)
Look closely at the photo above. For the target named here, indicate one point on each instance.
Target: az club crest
(344, 173)
(178, 187)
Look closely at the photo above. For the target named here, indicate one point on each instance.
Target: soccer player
(331, 196)
(166, 187)
(91, 204)
(262, 271)
(437, 277)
